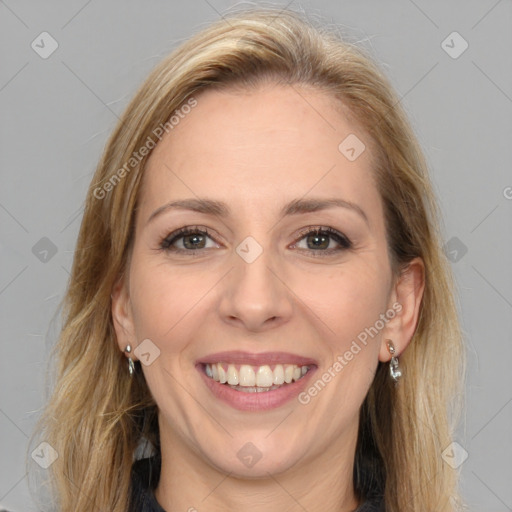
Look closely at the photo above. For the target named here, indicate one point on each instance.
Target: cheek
(345, 305)
(346, 300)
(164, 299)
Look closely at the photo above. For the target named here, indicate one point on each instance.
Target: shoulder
(374, 505)
(374, 502)
(144, 479)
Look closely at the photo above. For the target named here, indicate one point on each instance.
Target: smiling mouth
(255, 379)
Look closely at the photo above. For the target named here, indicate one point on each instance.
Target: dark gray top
(145, 476)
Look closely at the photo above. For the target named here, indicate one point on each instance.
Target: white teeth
(232, 375)
(279, 374)
(255, 378)
(223, 378)
(254, 389)
(288, 373)
(247, 375)
(264, 377)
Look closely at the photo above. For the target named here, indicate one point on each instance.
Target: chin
(247, 459)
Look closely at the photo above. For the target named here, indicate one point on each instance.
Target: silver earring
(394, 368)
(131, 366)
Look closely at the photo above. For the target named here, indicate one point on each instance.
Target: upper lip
(257, 359)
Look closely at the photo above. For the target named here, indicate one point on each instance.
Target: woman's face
(249, 288)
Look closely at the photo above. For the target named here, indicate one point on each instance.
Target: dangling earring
(394, 368)
(131, 366)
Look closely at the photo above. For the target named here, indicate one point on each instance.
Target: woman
(259, 309)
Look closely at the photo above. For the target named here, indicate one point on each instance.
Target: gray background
(57, 113)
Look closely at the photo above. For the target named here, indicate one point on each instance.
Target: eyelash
(342, 240)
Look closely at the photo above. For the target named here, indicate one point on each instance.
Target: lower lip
(259, 401)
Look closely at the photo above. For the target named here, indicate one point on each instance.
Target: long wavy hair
(97, 416)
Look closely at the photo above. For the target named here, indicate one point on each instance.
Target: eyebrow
(295, 207)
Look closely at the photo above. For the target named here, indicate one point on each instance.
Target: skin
(256, 151)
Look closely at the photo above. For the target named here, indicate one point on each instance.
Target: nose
(255, 295)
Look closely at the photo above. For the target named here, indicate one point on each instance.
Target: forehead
(259, 147)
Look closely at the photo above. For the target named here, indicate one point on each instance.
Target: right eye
(187, 240)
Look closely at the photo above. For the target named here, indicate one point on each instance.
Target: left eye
(320, 240)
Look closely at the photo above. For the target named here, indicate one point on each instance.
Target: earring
(394, 368)
(131, 366)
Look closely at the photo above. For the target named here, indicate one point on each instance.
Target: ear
(405, 301)
(122, 317)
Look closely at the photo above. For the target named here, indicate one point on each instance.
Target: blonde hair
(97, 416)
